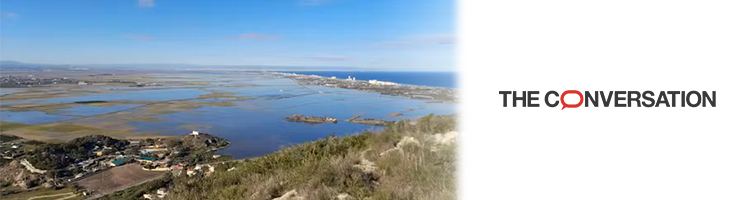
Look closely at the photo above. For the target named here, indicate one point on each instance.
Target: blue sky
(414, 35)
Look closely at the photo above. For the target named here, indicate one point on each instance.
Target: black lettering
(618, 98)
(711, 100)
(662, 99)
(636, 98)
(674, 97)
(532, 98)
(505, 97)
(546, 99)
(649, 98)
(606, 99)
(594, 100)
(522, 98)
(682, 94)
(688, 99)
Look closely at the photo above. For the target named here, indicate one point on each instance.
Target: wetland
(248, 108)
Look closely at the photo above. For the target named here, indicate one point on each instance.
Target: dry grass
(63, 131)
(63, 127)
(350, 165)
(180, 106)
(46, 108)
(5, 126)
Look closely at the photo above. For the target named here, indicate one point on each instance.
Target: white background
(604, 153)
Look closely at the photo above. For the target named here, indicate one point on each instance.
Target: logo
(612, 98)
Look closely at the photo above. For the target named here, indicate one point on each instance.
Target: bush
(55, 156)
(327, 167)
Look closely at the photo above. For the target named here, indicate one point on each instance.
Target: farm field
(118, 178)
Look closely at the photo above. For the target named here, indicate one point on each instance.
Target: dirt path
(54, 195)
(68, 197)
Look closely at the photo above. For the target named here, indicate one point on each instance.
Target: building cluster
(106, 157)
(176, 156)
(102, 74)
(10, 150)
(139, 84)
(151, 158)
(31, 80)
(11, 81)
(376, 82)
(383, 87)
(206, 169)
(154, 157)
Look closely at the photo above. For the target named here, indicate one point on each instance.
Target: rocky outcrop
(445, 138)
(375, 122)
(31, 168)
(366, 166)
(202, 141)
(16, 174)
(290, 195)
(407, 140)
(344, 196)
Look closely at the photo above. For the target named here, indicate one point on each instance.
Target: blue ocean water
(433, 79)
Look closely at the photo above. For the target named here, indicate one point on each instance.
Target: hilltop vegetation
(59, 155)
(408, 160)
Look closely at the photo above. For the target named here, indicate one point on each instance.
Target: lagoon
(248, 110)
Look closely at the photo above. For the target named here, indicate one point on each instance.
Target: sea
(432, 79)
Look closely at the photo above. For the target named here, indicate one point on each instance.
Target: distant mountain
(15, 65)
(10, 62)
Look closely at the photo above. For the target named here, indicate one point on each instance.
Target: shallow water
(257, 127)
(282, 91)
(254, 126)
(86, 110)
(4, 91)
(137, 95)
(32, 117)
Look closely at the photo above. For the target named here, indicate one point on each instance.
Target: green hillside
(408, 160)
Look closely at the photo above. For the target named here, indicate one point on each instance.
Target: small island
(311, 119)
(376, 122)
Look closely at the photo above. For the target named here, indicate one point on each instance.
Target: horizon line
(310, 67)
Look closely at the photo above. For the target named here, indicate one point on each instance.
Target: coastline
(382, 87)
(437, 79)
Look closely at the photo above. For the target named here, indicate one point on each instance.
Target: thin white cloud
(257, 36)
(139, 37)
(313, 2)
(396, 43)
(441, 39)
(9, 15)
(146, 3)
(330, 58)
